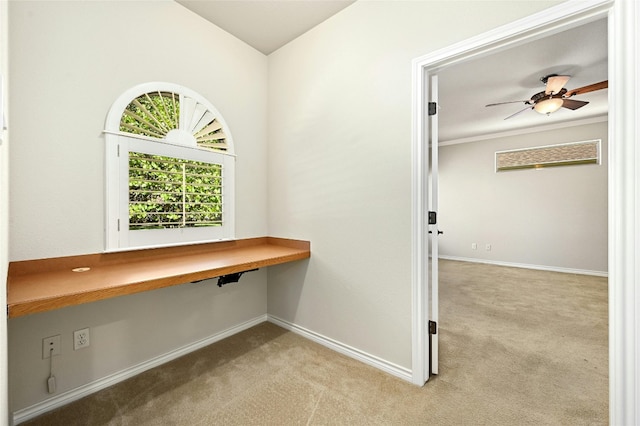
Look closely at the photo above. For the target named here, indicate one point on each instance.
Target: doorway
(622, 210)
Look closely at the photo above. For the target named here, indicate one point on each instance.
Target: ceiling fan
(555, 96)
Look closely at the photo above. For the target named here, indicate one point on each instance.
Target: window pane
(587, 152)
(167, 192)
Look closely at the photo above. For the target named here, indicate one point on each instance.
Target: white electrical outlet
(488, 247)
(474, 246)
(50, 343)
(81, 339)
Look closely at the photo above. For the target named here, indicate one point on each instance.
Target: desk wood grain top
(45, 284)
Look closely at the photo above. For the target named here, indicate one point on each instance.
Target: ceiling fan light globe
(547, 106)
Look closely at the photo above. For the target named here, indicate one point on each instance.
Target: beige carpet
(517, 346)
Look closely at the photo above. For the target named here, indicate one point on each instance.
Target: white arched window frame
(186, 128)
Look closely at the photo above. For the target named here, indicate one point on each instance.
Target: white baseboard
(528, 266)
(386, 366)
(85, 390)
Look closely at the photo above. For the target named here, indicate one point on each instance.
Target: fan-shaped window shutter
(170, 169)
(174, 118)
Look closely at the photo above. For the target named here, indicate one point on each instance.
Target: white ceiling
(514, 74)
(464, 89)
(266, 25)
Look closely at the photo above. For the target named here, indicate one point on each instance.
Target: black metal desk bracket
(232, 278)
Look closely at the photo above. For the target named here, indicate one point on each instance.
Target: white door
(434, 232)
(424, 217)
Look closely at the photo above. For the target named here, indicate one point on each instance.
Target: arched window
(169, 169)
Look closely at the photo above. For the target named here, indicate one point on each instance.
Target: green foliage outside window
(167, 192)
(152, 114)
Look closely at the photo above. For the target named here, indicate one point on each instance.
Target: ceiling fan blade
(556, 83)
(573, 103)
(519, 112)
(589, 88)
(510, 102)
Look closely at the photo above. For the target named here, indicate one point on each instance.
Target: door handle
(439, 232)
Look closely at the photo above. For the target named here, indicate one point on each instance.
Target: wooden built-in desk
(47, 284)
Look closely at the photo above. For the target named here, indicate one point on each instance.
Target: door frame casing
(623, 183)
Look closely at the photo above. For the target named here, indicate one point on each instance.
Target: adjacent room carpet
(517, 347)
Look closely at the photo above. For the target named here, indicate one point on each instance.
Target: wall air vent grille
(585, 152)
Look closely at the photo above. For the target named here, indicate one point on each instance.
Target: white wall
(4, 214)
(339, 164)
(69, 62)
(553, 218)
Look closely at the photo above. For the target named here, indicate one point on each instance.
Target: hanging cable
(51, 381)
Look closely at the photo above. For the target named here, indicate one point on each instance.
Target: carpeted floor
(518, 347)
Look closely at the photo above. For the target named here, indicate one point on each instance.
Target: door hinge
(433, 327)
(118, 225)
(433, 218)
(433, 108)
